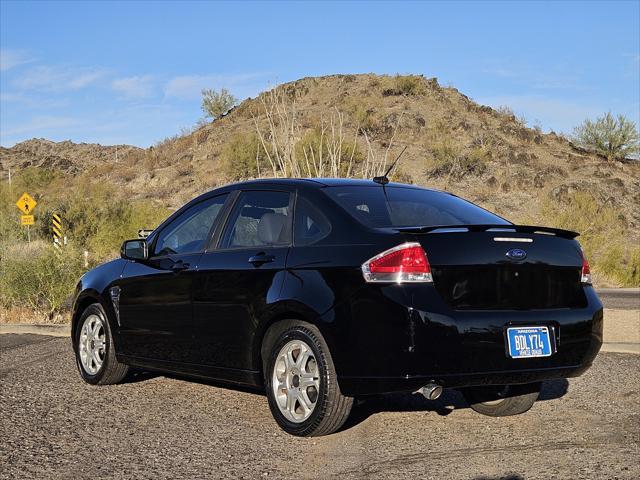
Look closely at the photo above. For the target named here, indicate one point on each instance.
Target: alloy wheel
(92, 344)
(296, 381)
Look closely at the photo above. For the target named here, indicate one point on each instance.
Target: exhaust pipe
(431, 391)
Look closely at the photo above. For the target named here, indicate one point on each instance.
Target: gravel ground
(54, 426)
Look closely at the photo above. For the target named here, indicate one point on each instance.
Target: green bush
(622, 268)
(601, 237)
(215, 104)
(364, 118)
(406, 85)
(240, 157)
(611, 137)
(37, 276)
(10, 229)
(32, 178)
(92, 219)
(449, 159)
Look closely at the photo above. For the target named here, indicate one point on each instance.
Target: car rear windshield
(409, 207)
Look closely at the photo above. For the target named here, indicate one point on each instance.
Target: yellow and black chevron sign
(56, 227)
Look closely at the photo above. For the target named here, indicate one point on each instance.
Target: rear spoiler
(558, 232)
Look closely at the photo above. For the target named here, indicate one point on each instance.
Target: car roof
(315, 182)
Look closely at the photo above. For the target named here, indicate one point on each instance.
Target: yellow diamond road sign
(26, 203)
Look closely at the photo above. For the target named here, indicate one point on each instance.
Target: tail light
(586, 271)
(406, 263)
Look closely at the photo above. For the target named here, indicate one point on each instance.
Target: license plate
(528, 342)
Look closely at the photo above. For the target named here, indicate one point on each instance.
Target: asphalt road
(620, 298)
(54, 426)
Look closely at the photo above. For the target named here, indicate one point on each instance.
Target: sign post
(56, 227)
(26, 204)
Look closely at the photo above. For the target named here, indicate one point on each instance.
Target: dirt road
(54, 426)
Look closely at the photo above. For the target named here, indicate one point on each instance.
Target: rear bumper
(399, 338)
(376, 385)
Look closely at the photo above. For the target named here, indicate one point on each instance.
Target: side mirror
(134, 250)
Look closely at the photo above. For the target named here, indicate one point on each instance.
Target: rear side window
(409, 207)
(311, 225)
(260, 218)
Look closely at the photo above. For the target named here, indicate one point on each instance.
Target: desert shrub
(243, 157)
(10, 229)
(620, 266)
(363, 117)
(36, 177)
(93, 219)
(449, 159)
(405, 85)
(601, 236)
(215, 104)
(166, 141)
(401, 176)
(505, 110)
(184, 169)
(611, 137)
(445, 155)
(37, 276)
(479, 156)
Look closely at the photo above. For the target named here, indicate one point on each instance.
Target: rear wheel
(95, 354)
(503, 400)
(300, 379)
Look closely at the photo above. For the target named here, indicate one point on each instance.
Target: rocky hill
(68, 157)
(453, 143)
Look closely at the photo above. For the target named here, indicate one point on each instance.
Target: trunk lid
(503, 268)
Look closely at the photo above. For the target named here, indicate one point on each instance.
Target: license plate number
(528, 342)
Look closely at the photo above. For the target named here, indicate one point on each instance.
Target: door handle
(261, 258)
(179, 266)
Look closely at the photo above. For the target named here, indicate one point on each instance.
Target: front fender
(93, 287)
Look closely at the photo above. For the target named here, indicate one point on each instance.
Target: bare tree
(279, 139)
(376, 164)
(324, 151)
(330, 156)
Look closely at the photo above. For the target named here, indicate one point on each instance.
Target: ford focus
(324, 291)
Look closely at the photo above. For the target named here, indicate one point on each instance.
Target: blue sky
(116, 72)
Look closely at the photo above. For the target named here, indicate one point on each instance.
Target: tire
(94, 335)
(316, 386)
(504, 400)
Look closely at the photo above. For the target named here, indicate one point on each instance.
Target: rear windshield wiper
(483, 228)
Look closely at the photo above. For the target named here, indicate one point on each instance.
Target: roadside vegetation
(602, 237)
(33, 274)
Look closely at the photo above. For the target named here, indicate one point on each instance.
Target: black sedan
(322, 291)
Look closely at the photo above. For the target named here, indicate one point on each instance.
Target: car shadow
(365, 407)
(505, 477)
(449, 401)
(136, 376)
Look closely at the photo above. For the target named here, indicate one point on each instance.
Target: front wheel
(300, 379)
(503, 400)
(95, 353)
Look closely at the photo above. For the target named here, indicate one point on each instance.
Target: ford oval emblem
(516, 254)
